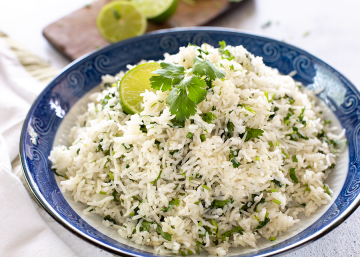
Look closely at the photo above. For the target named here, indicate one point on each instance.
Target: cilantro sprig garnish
(187, 89)
(169, 75)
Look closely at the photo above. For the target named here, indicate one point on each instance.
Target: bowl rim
(41, 200)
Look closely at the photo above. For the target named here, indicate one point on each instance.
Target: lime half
(119, 20)
(135, 82)
(156, 10)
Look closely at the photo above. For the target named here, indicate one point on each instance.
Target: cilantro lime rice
(225, 151)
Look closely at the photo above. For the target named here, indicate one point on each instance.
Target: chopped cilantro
(219, 203)
(198, 247)
(253, 133)
(213, 222)
(301, 117)
(229, 233)
(230, 127)
(102, 192)
(272, 238)
(107, 217)
(296, 135)
(232, 158)
(111, 175)
(114, 194)
(327, 190)
(105, 165)
(208, 117)
(227, 55)
(263, 223)
(293, 175)
(277, 202)
(250, 109)
(286, 155)
(206, 187)
(189, 135)
(105, 101)
(127, 148)
(222, 47)
(171, 204)
(145, 226)
(295, 159)
(262, 200)
(321, 134)
(273, 115)
(277, 182)
(165, 235)
(158, 177)
(157, 143)
(202, 51)
(143, 128)
(202, 137)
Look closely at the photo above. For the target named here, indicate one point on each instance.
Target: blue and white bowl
(54, 111)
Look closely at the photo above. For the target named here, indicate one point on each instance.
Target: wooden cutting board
(76, 34)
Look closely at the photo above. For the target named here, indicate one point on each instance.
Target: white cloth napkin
(22, 230)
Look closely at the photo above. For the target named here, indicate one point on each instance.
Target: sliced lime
(135, 82)
(119, 20)
(156, 10)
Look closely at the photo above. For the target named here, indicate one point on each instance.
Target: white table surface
(333, 29)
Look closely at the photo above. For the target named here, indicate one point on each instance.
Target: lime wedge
(135, 82)
(156, 10)
(119, 20)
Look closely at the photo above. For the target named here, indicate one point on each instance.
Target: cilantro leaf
(145, 226)
(158, 177)
(222, 46)
(277, 182)
(205, 68)
(169, 74)
(197, 89)
(219, 203)
(293, 175)
(108, 217)
(229, 233)
(227, 55)
(232, 156)
(230, 126)
(213, 222)
(253, 133)
(263, 223)
(208, 117)
(183, 104)
(171, 204)
(165, 235)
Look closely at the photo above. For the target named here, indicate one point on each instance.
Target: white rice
(107, 140)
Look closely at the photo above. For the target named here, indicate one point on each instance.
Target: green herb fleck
(107, 217)
(165, 235)
(293, 175)
(229, 233)
(206, 187)
(158, 177)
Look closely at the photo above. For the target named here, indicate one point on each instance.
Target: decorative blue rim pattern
(84, 74)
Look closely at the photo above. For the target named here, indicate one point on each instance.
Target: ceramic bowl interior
(54, 112)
